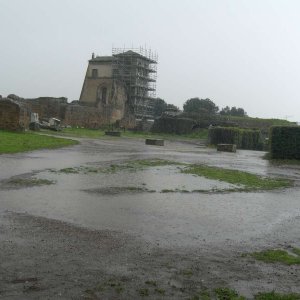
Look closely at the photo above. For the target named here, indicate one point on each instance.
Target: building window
(104, 95)
(94, 73)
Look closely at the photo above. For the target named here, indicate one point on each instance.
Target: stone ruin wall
(48, 107)
(93, 117)
(13, 116)
(83, 116)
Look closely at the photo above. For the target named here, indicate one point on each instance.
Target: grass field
(12, 142)
(100, 133)
(248, 180)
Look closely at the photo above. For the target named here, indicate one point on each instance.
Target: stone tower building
(122, 84)
(102, 90)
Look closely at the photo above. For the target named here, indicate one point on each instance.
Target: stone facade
(13, 115)
(102, 91)
(83, 116)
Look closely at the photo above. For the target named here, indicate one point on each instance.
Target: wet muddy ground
(74, 224)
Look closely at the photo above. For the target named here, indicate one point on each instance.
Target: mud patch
(114, 190)
(131, 166)
(24, 181)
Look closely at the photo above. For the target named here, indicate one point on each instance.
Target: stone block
(113, 133)
(226, 147)
(155, 142)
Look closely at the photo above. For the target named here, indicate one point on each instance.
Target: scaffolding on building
(137, 69)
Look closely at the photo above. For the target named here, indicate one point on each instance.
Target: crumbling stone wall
(89, 116)
(48, 107)
(13, 115)
(84, 116)
(92, 117)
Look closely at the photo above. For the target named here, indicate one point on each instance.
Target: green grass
(187, 272)
(227, 294)
(100, 133)
(12, 142)
(199, 134)
(152, 163)
(276, 296)
(257, 122)
(163, 191)
(81, 132)
(273, 256)
(69, 170)
(28, 182)
(245, 179)
(230, 294)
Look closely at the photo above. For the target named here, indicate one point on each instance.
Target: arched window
(102, 94)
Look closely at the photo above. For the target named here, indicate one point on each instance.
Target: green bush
(285, 142)
(174, 125)
(223, 135)
(243, 138)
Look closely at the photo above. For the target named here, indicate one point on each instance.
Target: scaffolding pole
(137, 69)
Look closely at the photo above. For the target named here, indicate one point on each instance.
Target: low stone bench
(113, 133)
(226, 147)
(155, 142)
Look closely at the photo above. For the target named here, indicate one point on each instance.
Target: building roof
(133, 53)
(102, 59)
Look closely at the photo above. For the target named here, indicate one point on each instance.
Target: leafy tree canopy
(202, 106)
(172, 107)
(233, 111)
(159, 107)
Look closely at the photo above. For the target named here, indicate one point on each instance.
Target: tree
(172, 107)
(202, 106)
(159, 107)
(225, 111)
(240, 112)
(233, 111)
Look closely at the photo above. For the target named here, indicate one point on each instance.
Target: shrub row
(285, 142)
(173, 125)
(243, 138)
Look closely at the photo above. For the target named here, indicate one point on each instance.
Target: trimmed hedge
(174, 125)
(285, 142)
(243, 138)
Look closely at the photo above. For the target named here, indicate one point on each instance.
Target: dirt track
(80, 245)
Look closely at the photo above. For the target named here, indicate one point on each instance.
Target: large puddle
(157, 203)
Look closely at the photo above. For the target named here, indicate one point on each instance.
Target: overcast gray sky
(237, 53)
